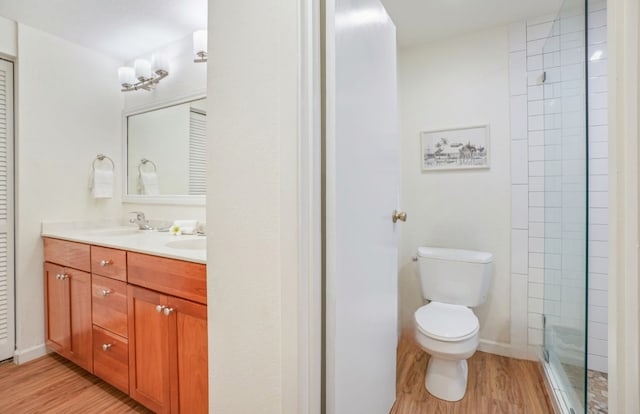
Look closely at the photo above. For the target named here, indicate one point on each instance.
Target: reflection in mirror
(166, 150)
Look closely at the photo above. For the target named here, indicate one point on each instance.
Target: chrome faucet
(140, 220)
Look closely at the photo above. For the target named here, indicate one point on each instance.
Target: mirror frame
(170, 199)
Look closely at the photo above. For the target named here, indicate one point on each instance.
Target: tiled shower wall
(528, 60)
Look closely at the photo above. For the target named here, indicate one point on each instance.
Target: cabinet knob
(168, 311)
(105, 263)
(62, 276)
(105, 347)
(106, 292)
(160, 308)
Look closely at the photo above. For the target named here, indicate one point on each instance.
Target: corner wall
(67, 111)
(457, 82)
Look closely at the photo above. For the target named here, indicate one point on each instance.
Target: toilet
(446, 328)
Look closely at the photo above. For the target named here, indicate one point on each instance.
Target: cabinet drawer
(109, 262)
(110, 304)
(111, 358)
(176, 277)
(66, 253)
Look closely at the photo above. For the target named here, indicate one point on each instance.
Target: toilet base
(446, 379)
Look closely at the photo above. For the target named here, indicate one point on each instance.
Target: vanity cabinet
(168, 340)
(67, 286)
(109, 313)
(137, 321)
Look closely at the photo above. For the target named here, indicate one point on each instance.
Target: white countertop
(109, 233)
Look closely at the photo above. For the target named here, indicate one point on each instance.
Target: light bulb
(200, 43)
(126, 75)
(143, 69)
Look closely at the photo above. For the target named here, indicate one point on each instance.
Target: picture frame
(455, 148)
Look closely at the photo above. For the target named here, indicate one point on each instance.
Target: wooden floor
(54, 385)
(496, 385)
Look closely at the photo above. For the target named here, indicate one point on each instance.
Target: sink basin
(191, 244)
(114, 232)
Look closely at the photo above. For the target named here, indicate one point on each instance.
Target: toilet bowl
(449, 333)
(447, 329)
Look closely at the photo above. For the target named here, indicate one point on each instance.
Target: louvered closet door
(7, 320)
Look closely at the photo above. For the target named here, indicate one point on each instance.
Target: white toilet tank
(458, 277)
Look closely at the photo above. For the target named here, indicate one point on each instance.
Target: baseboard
(530, 352)
(29, 354)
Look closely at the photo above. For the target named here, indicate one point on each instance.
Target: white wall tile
(598, 314)
(536, 215)
(535, 320)
(597, 19)
(536, 199)
(536, 244)
(535, 62)
(598, 150)
(519, 301)
(519, 206)
(598, 68)
(598, 133)
(598, 298)
(518, 73)
(535, 336)
(598, 216)
(535, 305)
(598, 100)
(535, 93)
(598, 281)
(597, 35)
(519, 251)
(597, 363)
(536, 168)
(598, 51)
(598, 84)
(598, 199)
(519, 117)
(598, 232)
(598, 248)
(597, 330)
(536, 229)
(519, 162)
(536, 260)
(598, 117)
(536, 108)
(598, 166)
(598, 265)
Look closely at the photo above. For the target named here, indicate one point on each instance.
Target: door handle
(399, 215)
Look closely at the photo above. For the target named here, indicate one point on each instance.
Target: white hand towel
(102, 186)
(186, 226)
(150, 184)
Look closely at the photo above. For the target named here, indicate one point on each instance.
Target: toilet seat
(446, 322)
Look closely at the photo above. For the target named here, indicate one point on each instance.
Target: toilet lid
(446, 322)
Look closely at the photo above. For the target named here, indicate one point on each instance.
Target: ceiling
(125, 29)
(421, 21)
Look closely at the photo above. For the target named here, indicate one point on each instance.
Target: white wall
(68, 110)
(252, 269)
(8, 38)
(457, 82)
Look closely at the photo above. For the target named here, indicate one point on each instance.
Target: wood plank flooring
(54, 385)
(496, 385)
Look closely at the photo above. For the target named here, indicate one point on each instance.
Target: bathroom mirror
(165, 153)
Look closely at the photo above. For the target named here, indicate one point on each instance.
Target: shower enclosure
(565, 206)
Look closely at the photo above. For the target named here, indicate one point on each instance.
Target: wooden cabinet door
(81, 343)
(149, 381)
(56, 297)
(188, 353)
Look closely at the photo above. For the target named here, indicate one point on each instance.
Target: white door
(362, 182)
(7, 319)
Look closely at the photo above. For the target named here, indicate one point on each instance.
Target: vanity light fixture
(144, 75)
(200, 46)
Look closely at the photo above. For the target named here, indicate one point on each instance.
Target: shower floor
(597, 388)
(597, 395)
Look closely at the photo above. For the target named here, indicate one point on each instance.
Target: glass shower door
(565, 205)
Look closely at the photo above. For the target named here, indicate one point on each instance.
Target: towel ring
(145, 161)
(102, 157)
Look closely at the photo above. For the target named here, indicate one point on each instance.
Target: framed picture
(453, 149)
